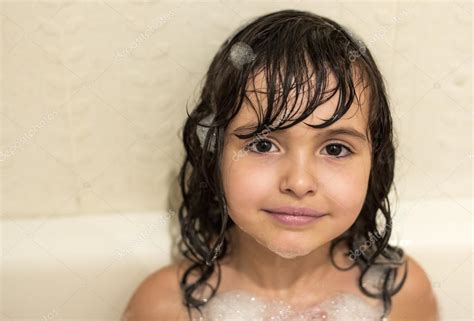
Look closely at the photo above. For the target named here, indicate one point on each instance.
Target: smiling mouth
(296, 211)
(294, 220)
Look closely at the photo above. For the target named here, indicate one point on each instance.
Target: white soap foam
(240, 54)
(243, 306)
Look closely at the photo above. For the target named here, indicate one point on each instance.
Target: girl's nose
(297, 177)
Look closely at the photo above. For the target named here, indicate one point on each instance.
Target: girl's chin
(285, 250)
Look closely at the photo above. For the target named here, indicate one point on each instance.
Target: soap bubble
(240, 54)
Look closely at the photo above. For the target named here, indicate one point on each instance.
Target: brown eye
(335, 149)
(262, 146)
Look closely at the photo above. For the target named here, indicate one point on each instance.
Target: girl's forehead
(254, 108)
(354, 120)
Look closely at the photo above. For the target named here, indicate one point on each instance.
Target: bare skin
(273, 260)
(158, 298)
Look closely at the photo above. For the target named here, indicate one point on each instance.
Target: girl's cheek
(345, 190)
(251, 182)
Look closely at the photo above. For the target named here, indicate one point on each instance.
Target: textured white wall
(93, 97)
(94, 93)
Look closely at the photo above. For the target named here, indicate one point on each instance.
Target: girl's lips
(294, 220)
(292, 210)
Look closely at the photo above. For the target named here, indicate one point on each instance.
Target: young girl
(289, 163)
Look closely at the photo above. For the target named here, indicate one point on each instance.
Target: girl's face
(297, 166)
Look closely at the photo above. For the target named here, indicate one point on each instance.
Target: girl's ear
(202, 131)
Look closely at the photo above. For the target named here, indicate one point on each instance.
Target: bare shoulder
(157, 297)
(416, 300)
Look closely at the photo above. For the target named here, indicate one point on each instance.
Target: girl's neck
(271, 274)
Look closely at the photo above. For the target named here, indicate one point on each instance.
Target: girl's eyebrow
(349, 131)
(244, 128)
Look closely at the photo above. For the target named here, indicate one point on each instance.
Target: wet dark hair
(290, 46)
